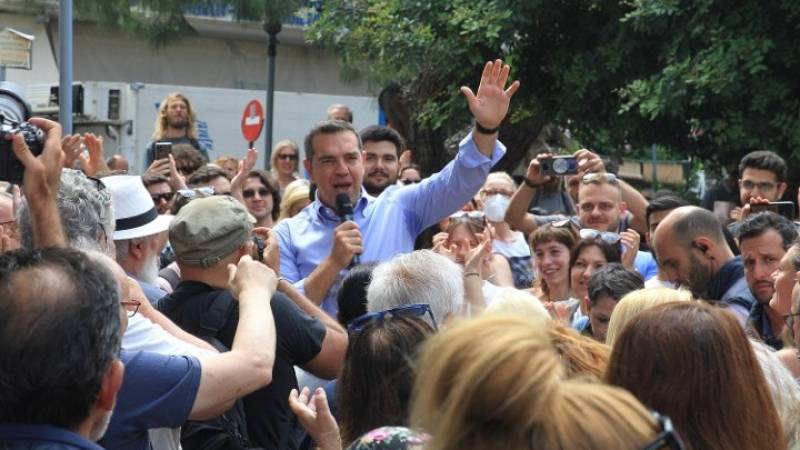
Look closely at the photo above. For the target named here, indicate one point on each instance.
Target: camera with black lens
(14, 113)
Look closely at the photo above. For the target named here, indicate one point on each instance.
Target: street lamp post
(272, 28)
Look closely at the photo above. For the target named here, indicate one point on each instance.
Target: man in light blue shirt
(315, 248)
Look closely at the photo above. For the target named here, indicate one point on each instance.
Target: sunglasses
(191, 194)
(413, 310)
(250, 193)
(157, 198)
(285, 157)
(611, 238)
(667, 438)
(407, 182)
(477, 215)
(599, 177)
(131, 306)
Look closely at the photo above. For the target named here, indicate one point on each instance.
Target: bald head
(687, 223)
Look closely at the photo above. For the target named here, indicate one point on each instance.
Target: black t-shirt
(299, 339)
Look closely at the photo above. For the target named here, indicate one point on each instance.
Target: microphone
(344, 209)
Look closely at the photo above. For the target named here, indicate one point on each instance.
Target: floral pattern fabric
(390, 438)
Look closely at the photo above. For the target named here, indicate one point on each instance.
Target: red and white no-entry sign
(252, 121)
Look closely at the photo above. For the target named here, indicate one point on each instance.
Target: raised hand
(490, 105)
(96, 161)
(245, 166)
(251, 275)
(534, 173)
(315, 417)
(71, 145)
(630, 240)
(588, 162)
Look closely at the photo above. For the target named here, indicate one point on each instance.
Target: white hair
(519, 303)
(418, 277)
(86, 214)
(784, 390)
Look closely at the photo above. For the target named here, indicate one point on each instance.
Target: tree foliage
(708, 78)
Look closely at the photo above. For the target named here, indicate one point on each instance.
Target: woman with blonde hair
(637, 302)
(284, 163)
(496, 382)
(295, 198)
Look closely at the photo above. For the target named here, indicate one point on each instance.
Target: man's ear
(136, 248)
(112, 381)
(781, 189)
(704, 244)
(307, 165)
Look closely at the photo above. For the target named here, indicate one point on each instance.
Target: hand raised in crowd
(272, 255)
(559, 311)
(95, 162)
(71, 145)
(176, 180)
(158, 167)
(534, 174)
(245, 166)
(347, 242)
(440, 246)
(251, 276)
(630, 240)
(588, 162)
(43, 172)
(475, 259)
(490, 105)
(747, 209)
(315, 417)
(406, 158)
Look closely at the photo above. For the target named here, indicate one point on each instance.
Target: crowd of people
(368, 305)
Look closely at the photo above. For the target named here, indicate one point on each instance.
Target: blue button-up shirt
(389, 223)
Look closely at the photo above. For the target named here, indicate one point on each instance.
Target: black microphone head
(343, 204)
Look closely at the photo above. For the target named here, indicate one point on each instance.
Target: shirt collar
(329, 214)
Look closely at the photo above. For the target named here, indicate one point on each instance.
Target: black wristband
(529, 184)
(483, 130)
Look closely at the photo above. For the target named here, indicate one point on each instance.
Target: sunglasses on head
(413, 310)
(565, 223)
(191, 194)
(250, 193)
(477, 215)
(667, 438)
(599, 177)
(607, 236)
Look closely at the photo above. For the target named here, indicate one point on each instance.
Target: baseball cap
(209, 229)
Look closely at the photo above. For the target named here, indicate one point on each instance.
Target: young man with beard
(382, 148)
(140, 233)
(764, 238)
(175, 123)
(691, 250)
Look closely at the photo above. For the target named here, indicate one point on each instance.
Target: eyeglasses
(407, 182)
(250, 193)
(131, 306)
(191, 194)
(413, 310)
(763, 186)
(599, 177)
(158, 198)
(667, 438)
(285, 157)
(607, 236)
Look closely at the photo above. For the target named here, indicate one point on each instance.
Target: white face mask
(495, 207)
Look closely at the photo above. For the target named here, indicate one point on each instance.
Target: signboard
(252, 121)
(16, 49)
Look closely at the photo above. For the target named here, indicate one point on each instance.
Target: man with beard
(691, 250)
(140, 233)
(764, 238)
(382, 148)
(175, 123)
